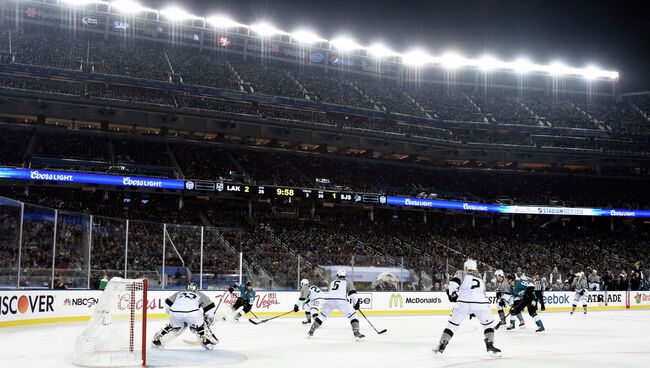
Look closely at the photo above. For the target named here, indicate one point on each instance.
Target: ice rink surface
(599, 339)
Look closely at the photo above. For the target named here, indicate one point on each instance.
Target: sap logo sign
(120, 26)
(556, 299)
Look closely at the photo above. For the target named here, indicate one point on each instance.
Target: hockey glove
(231, 289)
(498, 295)
(357, 305)
(296, 308)
(582, 293)
(453, 297)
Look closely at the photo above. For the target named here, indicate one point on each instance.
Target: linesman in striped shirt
(540, 286)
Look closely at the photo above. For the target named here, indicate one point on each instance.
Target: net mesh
(116, 333)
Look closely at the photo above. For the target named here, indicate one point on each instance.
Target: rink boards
(26, 307)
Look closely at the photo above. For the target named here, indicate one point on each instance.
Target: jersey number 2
(475, 284)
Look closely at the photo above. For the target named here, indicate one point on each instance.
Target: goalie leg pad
(167, 334)
(206, 336)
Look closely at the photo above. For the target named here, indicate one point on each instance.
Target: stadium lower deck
(598, 339)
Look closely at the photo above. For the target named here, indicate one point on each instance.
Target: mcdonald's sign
(396, 301)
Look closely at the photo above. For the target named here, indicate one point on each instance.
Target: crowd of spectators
(208, 160)
(285, 248)
(173, 63)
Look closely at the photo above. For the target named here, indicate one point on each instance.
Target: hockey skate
(492, 351)
(441, 347)
(540, 329)
(358, 336)
(312, 329)
(306, 322)
(511, 327)
(522, 325)
(209, 343)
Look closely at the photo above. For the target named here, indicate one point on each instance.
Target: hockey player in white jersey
(504, 298)
(581, 289)
(468, 289)
(310, 300)
(189, 308)
(341, 296)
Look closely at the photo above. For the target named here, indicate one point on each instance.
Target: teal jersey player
(246, 292)
(520, 287)
(244, 302)
(524, 295)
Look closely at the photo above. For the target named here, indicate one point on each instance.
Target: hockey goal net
(116, 335)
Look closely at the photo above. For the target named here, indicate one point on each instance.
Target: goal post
(116, 335)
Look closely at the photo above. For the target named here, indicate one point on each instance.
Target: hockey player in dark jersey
(244, 303)
(504, 299)
(524, 294)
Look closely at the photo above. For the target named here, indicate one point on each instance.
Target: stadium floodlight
(266, 29)
(176, 14)
(452, 60)
(221, 21)
(417, 58)
(345, 44)
(591, 73)
(522, 66)
(306, 37)
(557, 68)
(380, 51)
(82, 2)
(489, 63)
(127, 6)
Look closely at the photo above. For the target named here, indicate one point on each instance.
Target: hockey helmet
(304, 282)
(191, 287)
(511, 277)
(341, 273)
(498, 273)
(470, 265)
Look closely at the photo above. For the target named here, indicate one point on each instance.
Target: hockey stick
(371, 325)
(254, 315)
(268, 319)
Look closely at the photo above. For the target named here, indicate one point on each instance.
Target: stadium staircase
(645, 115)
(297, 83)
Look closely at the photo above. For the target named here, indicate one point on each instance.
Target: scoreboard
(276, 192)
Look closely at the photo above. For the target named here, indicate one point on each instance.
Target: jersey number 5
(336, 285)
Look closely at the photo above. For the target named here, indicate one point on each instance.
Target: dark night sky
(613, 35)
